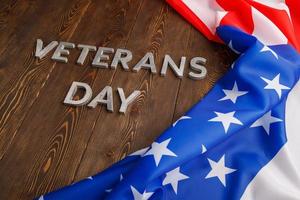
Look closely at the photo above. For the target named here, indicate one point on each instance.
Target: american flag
(239, 142)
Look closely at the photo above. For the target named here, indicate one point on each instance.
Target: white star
(226, 119)
(181, 118)
(233, 94)
(275, 85)
(219, 170)
(90, 177)
(108, 190)
(140, 152)
(266, 49)
(232, 48)
(232, 65)
(41, 198)
(173, 177)
(203, 149)
(138, 196)
(265, 121)
(160, 149)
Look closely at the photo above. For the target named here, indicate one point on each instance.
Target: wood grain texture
(218, 59)
(44, 144)
(27, 75)
(153, 33)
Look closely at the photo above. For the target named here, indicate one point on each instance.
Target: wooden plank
(24, 76)
(115, 135)
(219, 58)
(52, 146)
(10, 13)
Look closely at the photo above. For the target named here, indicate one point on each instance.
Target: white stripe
(280, 178)
(276, 4)
(208, 11)
(265, 30)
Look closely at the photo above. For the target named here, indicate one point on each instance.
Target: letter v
(40, 52)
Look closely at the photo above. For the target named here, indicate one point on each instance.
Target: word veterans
(121, 57)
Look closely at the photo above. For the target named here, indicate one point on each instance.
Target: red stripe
(280, 18)
(181, 8)
(239, 14)
(294, 6)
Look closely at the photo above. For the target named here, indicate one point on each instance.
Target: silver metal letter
(60, 50)
(107, 91)
(72, 91)
(122, 56)
(100, 56)
(168, 61)
(85, 49)
(128, 100)
(40, 52)
(197, 65)
(146, 62)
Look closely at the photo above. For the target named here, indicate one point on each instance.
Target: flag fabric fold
(272, 22)
(234, 143)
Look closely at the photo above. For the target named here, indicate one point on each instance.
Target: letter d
(72, 91)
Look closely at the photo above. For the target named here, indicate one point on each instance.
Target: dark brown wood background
(44, 144)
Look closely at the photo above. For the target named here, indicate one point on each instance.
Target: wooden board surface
(44, 144)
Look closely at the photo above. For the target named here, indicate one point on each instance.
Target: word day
(121, 57)
(105, 97)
